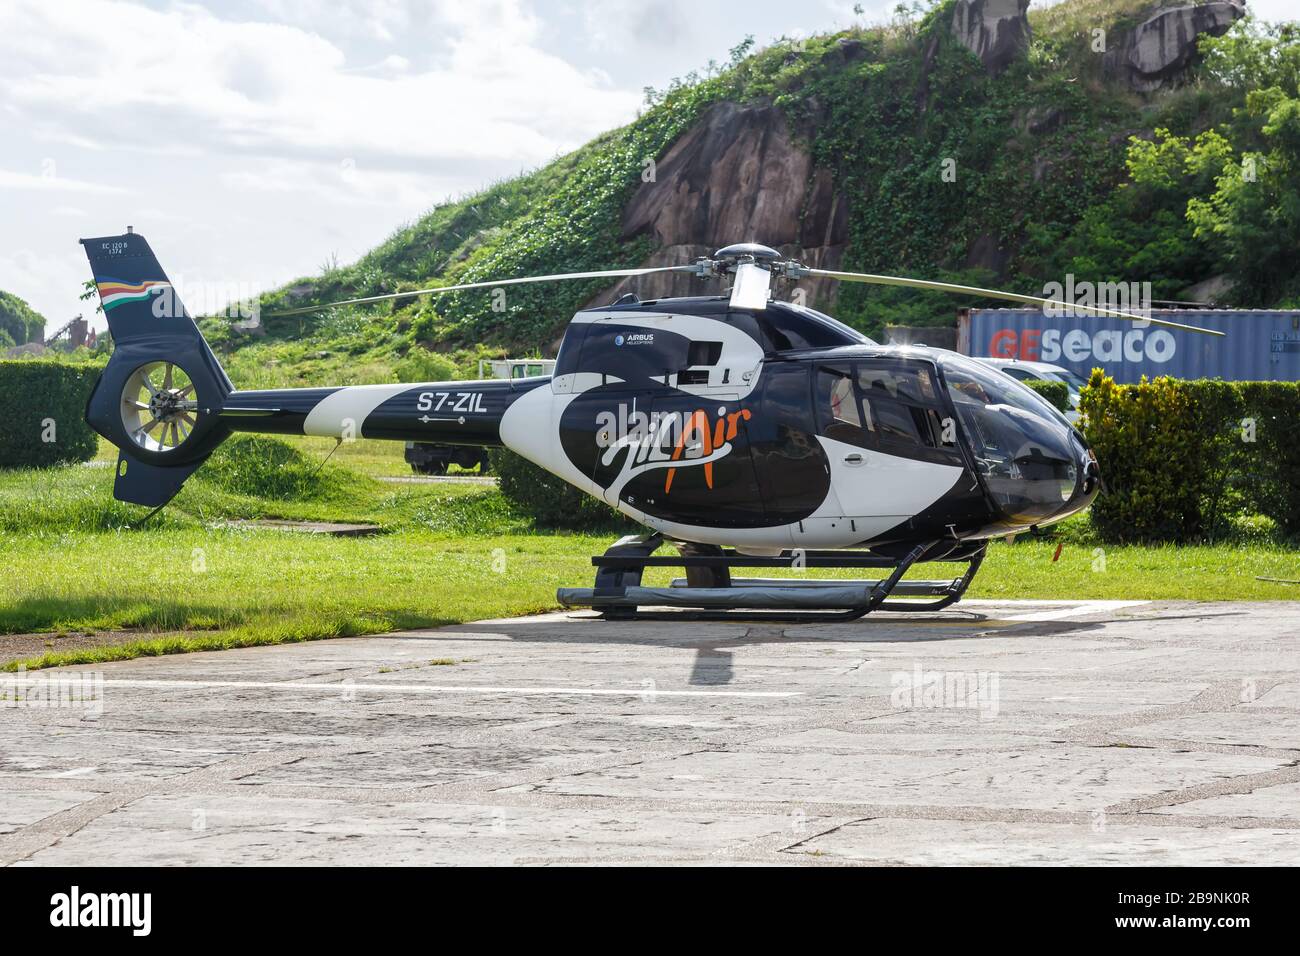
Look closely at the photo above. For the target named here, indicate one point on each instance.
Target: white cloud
(52, 182)
(224, 131)
(30, 275)
(227, 130)
(345, 182)
(159, 78)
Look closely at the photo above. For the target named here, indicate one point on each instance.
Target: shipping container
(1257, 345)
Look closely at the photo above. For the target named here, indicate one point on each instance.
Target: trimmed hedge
(42, 412)
(1180, 458)
(548, 500)
(1058, 393)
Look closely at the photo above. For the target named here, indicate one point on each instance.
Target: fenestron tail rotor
(753, 268)
(159, 407)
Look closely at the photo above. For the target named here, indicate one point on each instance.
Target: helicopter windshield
(1025, 449)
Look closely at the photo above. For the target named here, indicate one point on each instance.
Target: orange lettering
(699, 425)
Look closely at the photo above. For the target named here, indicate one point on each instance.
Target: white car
(1022, 370)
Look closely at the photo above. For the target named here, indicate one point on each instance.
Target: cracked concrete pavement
(996, 732)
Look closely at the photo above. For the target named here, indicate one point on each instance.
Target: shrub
(548, 500)
(42, 412)
(421, 365)
(265, 467)
(1181, 460)
(1272, 466)
(1058, 393)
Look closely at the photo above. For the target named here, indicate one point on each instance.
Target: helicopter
(746, 431)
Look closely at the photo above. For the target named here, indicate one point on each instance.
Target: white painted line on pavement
(1077, 610)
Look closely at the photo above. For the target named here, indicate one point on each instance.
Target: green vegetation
(550, 501)
(1190, 461)
(1058, 393)
(42, 412)
(1057, 169)
(1221, 197)
(19, 322)
(193, 578)
(888, 110)
(267, 467)
(208, 588)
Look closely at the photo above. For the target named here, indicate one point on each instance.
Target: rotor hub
(747, 252)
(159, 407)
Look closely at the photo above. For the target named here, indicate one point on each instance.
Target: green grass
(373, 458)
(237, 587)
(72, 560)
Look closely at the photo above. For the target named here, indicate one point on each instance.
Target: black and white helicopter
(743, 430)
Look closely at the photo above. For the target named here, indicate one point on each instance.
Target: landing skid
(710, 592)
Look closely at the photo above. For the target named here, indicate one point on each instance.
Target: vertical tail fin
(159, 398)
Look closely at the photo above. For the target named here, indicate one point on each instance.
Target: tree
(1251, 219)
(20, 320)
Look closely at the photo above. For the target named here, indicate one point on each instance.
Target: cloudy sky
(253, 140)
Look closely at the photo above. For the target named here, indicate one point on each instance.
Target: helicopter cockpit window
(1022, 445)
(841, 417)
(902, 402)
(704, 353)
(885, 406)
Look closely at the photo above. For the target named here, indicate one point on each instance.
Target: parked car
(1024, 371)
(429, 459)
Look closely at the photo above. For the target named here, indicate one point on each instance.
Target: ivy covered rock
(996, 31)
(1159, 50)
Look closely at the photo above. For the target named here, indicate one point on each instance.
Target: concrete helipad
(1025, 732)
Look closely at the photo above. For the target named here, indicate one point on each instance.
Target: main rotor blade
(999, 294)
(607, 273)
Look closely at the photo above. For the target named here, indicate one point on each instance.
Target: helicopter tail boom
(445, 413)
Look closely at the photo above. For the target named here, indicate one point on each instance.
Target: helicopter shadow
(714, 663)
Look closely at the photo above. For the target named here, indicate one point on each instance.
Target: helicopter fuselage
(760, 429)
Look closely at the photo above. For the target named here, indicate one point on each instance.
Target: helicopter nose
(1087, 482)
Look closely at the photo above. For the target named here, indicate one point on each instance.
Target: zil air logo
(635, 338)
(669, 440)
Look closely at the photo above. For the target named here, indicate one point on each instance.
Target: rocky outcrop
(737, 175)
(996, 31)
(1157, 52)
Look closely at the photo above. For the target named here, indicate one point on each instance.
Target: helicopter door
(881, 422)
(694, 466)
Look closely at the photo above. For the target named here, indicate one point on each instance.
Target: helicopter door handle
(854, 459)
